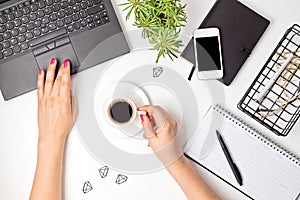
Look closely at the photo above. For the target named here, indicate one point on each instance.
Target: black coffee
(121, 112)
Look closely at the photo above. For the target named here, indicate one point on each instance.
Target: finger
(50, 76)
(65, 82)
(147, 108)
(40, 84)
(147, 126)
(57, 82)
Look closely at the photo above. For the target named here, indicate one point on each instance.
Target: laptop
(87, 32)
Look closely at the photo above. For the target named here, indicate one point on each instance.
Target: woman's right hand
(160, 129)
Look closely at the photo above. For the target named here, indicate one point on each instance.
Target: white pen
(274, 78)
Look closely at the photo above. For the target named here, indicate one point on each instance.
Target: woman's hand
(55, 118)
(160, 129)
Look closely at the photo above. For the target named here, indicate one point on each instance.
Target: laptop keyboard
(33, 22)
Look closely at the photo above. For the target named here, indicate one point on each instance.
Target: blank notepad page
(268, 171)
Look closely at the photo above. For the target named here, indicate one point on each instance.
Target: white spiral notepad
(268, 171)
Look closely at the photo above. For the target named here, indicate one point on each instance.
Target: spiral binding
(254, 132)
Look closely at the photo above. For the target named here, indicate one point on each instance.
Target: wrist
(178, 164)
(50, 142)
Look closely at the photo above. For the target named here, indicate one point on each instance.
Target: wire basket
(279, 109)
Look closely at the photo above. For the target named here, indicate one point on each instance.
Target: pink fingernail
(52, 61)
(142, 117)
(66, 63)
(41, 71)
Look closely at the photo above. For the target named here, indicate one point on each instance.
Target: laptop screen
(2, 1)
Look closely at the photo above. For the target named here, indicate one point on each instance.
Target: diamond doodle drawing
(103, 171)
(121, 179)
(157, 71)
(87, 187)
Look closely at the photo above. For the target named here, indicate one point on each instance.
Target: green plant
(161, 21)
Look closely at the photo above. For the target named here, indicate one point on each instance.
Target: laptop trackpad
(61, 53)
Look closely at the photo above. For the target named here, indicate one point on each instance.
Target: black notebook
(240, 29)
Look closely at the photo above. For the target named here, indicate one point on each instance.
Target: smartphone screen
(208, 53)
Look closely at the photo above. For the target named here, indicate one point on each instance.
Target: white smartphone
(208, 54)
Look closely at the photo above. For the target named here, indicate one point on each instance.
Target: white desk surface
(19, 133)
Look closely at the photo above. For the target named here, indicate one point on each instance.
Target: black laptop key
(37, 32)
(91, 25)
(69, 11)
(3, 19)
(27, 3)
(76, 8)
(2, 28)
(48, 10)
(1, 55)
(41, 4)
(41, 13)
(75, 17)
(6, 35)
(6, 44)
(83, 14)
(70, 28)
(47, 37)
(60, 23)
(45, 20)
(90, 3)
(56, 8)
(8, 52)
(61, 14)
(30, 26)
(49, 2)
(83, 5)
(14, 32)
(7, 10)
(33, 16)
(16, 49)
(105, 19)
(71, 2)
(37, 23)
(68, 20)
(19, 13)
(11, 16)
(89, 19)
(77, 25)
(21, 38)
(25, 19)
(13, 8)
(17, 23)
(20, 5)
(1, 38)
(1, 48)
(53, 17)
(63, 4)
(103, 14)
(83, 23)
(13, 41)
(97, 1)
(45, 29)
(29, 35)
(24, 46)
(95, 9)
(98, 22)
(22, 29)
(34, 7)
(26, 10)
(52, 26)
(10, 26)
